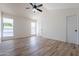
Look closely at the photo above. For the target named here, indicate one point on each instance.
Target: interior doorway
(33, 28)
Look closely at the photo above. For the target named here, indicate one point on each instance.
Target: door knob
(75, 30)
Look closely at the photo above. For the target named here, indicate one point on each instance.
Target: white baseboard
(53, 38)
(11, 38)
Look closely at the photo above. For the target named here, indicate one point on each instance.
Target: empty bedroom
(39, 29)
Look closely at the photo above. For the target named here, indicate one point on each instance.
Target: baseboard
(53, 38)
(13, 38)
(22, 37)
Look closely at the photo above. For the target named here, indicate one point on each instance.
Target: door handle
(75, 30)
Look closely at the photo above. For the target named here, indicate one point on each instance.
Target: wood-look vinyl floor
(37, 46)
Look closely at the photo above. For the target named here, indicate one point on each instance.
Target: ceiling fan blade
(39, 10)
(40, 5)
(31, 4)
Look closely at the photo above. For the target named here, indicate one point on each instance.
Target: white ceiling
(61, 5)
(20, 8)
(15, 8)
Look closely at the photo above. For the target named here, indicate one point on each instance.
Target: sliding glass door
(7, 30)
(7, 27)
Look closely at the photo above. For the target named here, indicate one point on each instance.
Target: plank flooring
(37, 46)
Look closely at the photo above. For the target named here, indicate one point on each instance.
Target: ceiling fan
(36, 7)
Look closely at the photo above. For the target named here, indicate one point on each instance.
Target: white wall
(21, 27)
(0, 26)
(39, 27)
(53, 23)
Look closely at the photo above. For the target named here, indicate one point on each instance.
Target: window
(7, 27)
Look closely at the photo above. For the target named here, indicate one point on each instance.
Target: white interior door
(72, 29)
